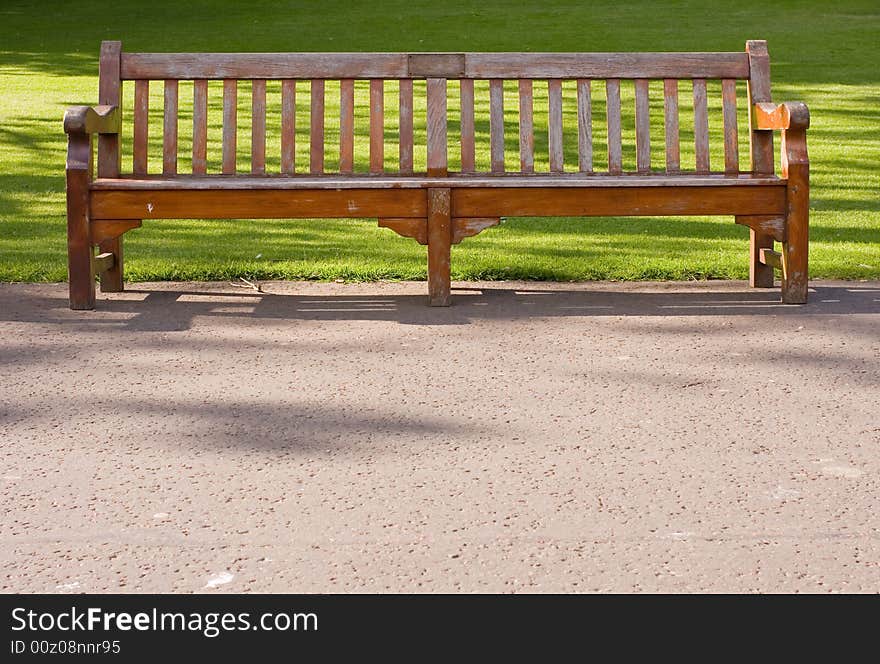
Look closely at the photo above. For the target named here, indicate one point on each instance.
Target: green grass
(824, 54)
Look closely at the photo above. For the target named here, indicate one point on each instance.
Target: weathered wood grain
(554, 126)
(468, 143)
(437, 150)
(526, 127)
(169, 134)
(288, 126)
(670, 114)
(496, 124)
(405, 113)
(701, 126)
(377, 125)
(200, 127)
(439, 243)
(643, 127)
(585, 126)
(316, 133)
(141, 127)
(731, 137)
(230, 125)
(258, 126)
(612, 111)
(109, 94)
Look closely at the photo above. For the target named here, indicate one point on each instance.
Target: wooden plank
(606, 65)
(731, 138)
(769, 257)
(795, 249)
(526, 127)
(437, 155)
(200, 127)
(615, 201)
(643, 127)
(377, 125)
(670, 114)
(701, 126)
(436, 65)
(761, 144)
(109, 94)
(405, 112)
(259, 204)
(104, 262)
(612, 112)
(230, 125)
(288, 126)
(258, 126)
(585, 126)
(496, 124)
(80, 269)
(169, 134)
(396, 65)
(468, 141)
(439, 242)
(316, 133)
(554, 125)
(346, 125)
(141, 126)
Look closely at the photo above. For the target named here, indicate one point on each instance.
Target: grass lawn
(826, 54)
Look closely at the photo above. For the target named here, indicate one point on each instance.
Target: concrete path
(532, 438)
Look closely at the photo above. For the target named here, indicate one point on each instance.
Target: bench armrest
(92, 120)
(788, 115)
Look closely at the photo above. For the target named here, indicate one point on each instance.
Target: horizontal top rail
(142, 66)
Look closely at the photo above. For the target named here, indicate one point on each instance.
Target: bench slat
(643, 127)
(346, 125)
(731, 138)
(554, 125)
(316, 134)
(437, 155)
(258, 126)
(759, 91)
(377, 125)
(141, 126)
(701, 126)
(288, 126)
(169, 134)
(230, 124)
(612, 110)
(585, 126)
(496, 124)
(200, 127)
(468, 145)
(405, 111)
(526, 127)
(670, 114)
(109, 92)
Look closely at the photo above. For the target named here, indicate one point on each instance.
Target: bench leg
(794, 258)
(111, 280)
(439, 246)
(760, 275)
(80, 253)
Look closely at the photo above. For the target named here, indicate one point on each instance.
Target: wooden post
(796, 168)
(109, 154)
(80, 261)
(439, 244)
(761, 149)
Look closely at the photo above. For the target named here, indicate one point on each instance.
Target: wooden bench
(437, 120)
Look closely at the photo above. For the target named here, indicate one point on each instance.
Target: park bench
(441, 188)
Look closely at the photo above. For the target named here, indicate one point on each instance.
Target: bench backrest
(345, 113)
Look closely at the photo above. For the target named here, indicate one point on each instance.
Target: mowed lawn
(826, 54)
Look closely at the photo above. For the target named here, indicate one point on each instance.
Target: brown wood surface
(585, 126)
(417, 229)
(346, 125)
(141, 126)
(643, 127)
(169, 133)
(554, 126)
(731, 138)
(105, 260)
(80, 269)
(377, 125)
(102, 230)
(795, 248)
(771, 226)
(405, 112)
(701, 126)
(771, 258)
(496, 124)
(468, 144)
(230, 125)
(463, 227)
(200, 127)
(670, 113)
(109, 94)
(316, 130)
(288, 126)
(258, 126)
(439, 243)
(437, 153)
(612, 111)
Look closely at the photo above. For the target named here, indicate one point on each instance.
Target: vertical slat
(526, 127)
(377, 125)
(288, 126)
(346, 125)
(643, 127)
(496, 124)
(585, 126)
(554, 121)
(316, 134)
(612, 110)
(701, 125)
(731, 137)
(437, 155)
(109, 92)
(258, 126)
(141, 126)
(230, 124)
(169, 134)
(405, 110)
(200, 127)
(759, 91)
(670, 112)
(468, 143)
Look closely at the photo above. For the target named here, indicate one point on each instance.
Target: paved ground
(532, 438)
